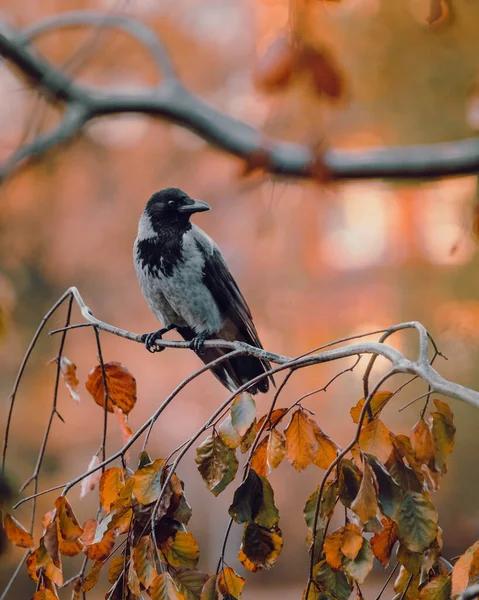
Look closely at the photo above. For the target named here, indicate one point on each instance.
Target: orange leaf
(116, 569)
(378, 402)
(144, 561)
(120, 383)
(374, 439)
(16, 533)
(275, 69)
(462, 567)
(69, 548)
(126, 432)
(382, 542)
(365, 505)
(346, 542)
(163, 588)
(89, 483)
(68, 525)
(423, 443)
(91, 579)
(259, 457)
(301, 443)
(327, 449)
(44, 595)
(230, 584)
(275, 418)
(276, 449)
(99, 551)
(89, 528)
(111, 484)
(324, 72)
(69, 374)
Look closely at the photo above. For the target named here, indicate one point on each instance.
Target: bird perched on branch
(188, 286)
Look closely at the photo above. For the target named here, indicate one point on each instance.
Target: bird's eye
(171, 203)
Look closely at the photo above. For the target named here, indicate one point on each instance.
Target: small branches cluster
(170, 100)
(381, 484)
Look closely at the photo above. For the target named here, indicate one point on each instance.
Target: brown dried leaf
(89, 483)
(120, 383)
(91, 579)
(69, 374)
(68, 525)
(111, 483)
(260, 548)
(374, 439)
(327, 449)
(301, 443)
(423, 443)
(133, 581)
(230, 584)
(144, 561)
(382, 542)
(163, 588)
(365, 505)
(116, 569)
(16, 533)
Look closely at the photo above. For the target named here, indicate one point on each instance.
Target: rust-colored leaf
(274, 420)
(382, 542)
(374, 439)
(325, 74)
(100, 550)
(327, 449)
(344, 542)
(69, 548)
(16, 533)
(91, 579)
(276, 67)
(243, 413)
(423, 443)
(89, 483)
(111, 483)
(461, 570)
(365, 505)
(68, 525)
(144, 561)
(230, 584)
(122, 419)
(31, 563)
(163, 588)
(301, 443)
(120, 383)
(69, 374)
(260, 457)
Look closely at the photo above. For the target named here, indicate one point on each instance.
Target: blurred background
(316, 262)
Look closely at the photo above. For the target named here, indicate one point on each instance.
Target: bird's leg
(149, 338)
(198, 342)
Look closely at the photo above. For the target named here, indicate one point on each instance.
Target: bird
(189, 288)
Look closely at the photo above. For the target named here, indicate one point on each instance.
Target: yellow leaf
(230, 583)
(120, 383)
(346, 542)
(183, 551)
(378, 402)
(144, 561)
(301, 443)
(68, 525)
(327, 449)
(147, 484)
(163, 588)
(374, 439)
(111, 484)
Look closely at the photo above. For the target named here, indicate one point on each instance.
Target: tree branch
(174, 103)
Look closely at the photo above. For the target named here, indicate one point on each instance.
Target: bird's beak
(194, 206)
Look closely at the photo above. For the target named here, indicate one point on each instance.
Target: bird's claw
(197, 344)
(149, 340)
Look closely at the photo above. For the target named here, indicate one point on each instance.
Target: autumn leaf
(249, 437)
(69, 374)
(327, 449)
(274, 420)
(120, 383)
(360, 567)
(389, 492)
(147, 482)
(423, 443)
(163, 588)
(374, 439)
(276, 67)
(344, 542)
(45, 595)
(267, 515)
(144, 561)
(417, 522)
(103, 542)
(217, 463)
(276, 449)
(349, 482)
(47, 555)
(126, 432)
(301, 443)
(443, 431)
(228, 433)
(132, 580)
(243, 413)
(407, 584)
(16, 533)
(365, 505)
(209, 591)
(88, 484)
(190, 582)
(378, 402)
(383, 541)
(328, 502)
(332, 581)
(68, 525)
(438, 588)
(230, 584)
(260, 547)
(259, 458)
(183, 551)
(247, 498)
(117, 566)
(461, 570)
(325, 74)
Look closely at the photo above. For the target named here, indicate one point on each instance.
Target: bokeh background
(316, 262)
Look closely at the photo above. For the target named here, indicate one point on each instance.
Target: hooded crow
(188, 286)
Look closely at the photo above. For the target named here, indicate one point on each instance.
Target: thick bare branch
(172, 102)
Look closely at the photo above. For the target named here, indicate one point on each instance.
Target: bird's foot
(149, 339)
(197, 344)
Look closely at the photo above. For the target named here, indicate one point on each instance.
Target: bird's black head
(172, 207)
